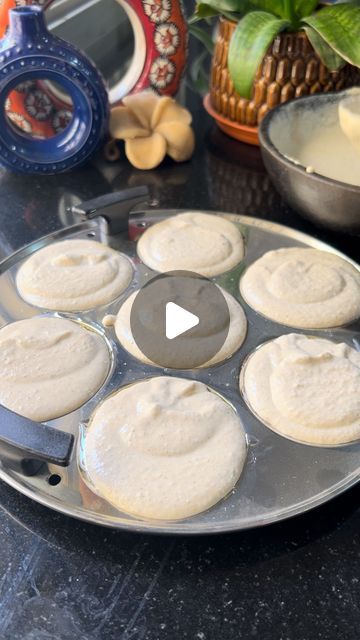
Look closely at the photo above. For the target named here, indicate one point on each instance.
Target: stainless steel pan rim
(157, 527)
(266, 493)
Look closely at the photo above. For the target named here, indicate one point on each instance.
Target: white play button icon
(178, 320)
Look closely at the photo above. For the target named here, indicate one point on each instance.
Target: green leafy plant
(333, 29)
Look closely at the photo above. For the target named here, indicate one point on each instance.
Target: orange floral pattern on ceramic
(38, 112)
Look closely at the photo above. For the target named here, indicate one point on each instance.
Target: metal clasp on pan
(115, 208)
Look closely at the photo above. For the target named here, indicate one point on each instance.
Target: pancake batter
(199, 242)
(50, 366)
(304, 288)
(305, 388)
(73, 275)
(164, 448)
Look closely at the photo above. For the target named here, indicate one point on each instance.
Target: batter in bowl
(349, 118)
(164, 448)
(305, 388)
(235, 337)
(73, 275)
(203, 243)
(304, 288)
(325, 138)
(50, 366)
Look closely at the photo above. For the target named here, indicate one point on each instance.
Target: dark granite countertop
(61, 579)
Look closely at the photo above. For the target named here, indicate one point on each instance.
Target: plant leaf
(203, 37)
(231, 16)
(275, 7)
(339, 26)
(198, 74)
(206, 8)
(305, 7)
(212, 7)
(355, 2)
(248, 45)
(327, 55)
(202, 12)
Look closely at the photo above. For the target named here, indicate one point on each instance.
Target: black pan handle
(114, 207)
(34, 440)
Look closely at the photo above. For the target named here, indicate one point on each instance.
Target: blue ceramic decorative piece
(30, 54)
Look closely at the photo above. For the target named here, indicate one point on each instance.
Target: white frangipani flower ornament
(152, 126)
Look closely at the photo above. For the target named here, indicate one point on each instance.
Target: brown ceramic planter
(290, 69)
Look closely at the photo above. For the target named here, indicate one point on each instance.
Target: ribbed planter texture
(290, 69)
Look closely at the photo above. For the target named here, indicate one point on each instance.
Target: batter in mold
(235, 337)
(304, 288)
(200, 242)
(164, 448)
(305, 388)
(73, 275)
(50, 366)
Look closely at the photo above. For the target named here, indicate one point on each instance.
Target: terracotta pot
(290, 69)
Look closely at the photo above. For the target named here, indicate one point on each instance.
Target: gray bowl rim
(269, 146)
